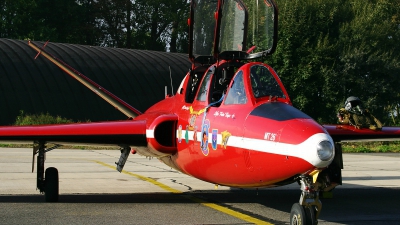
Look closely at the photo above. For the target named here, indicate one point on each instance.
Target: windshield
(248, 26)
(202, 95)
(261, 25)
(203, 26)
(263, 83)
(232, 30)
(237, 93)
(244, 29)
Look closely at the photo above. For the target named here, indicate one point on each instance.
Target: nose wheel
(306, 212)
(301, 215)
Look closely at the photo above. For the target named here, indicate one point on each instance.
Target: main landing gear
(47, 181)
(306, 212)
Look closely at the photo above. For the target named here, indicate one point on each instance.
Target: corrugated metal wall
(34, 86)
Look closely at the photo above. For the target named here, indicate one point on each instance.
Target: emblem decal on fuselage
(225, 138)
(192, 121)
(214, 138)
(180, 133)
(193, 117)
(187, 134)
(195, 134)
(204, 137)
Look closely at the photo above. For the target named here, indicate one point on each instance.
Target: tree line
(327, 50)
(138, 24)
(330, 50)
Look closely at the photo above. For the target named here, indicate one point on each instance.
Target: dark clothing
(359, 120)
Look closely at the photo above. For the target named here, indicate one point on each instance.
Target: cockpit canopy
(232, 29)
(235, 84)
(255, 82)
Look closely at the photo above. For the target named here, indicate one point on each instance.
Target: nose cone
(306, 139)
(296, 134)
(318, 150)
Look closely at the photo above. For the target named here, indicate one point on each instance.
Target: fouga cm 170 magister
(231, 121)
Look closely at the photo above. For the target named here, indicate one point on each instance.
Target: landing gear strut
(125, 150)
(47, 181)
(312, 186)
(306, 212)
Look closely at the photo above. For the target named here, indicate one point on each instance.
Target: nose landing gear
(306, 212)
(318, 182)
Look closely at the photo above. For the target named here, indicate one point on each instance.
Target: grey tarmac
(149, 192)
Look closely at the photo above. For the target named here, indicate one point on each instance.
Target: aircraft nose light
(325, 150)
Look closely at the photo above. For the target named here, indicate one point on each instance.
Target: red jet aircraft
(231, 121)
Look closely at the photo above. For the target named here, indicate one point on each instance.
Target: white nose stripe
(306, 150)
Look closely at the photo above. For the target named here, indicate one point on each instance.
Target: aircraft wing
(348, 133)
(118, 133)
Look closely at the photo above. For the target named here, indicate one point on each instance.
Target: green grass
(39, 119)
(371, 147)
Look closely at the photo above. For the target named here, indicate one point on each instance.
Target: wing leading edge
(348, 133)
(113, 100)
(118, 133)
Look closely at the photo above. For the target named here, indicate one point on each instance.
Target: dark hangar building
(38, 86)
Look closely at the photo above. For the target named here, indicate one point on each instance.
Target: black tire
(311, 213)
(51, 185)
(297, 215)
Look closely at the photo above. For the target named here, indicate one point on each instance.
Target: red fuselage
(256, 142)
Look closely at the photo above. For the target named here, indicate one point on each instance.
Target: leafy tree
(328, 51)
(143, 24)
(89, 31)
(58, 21)
(159, 23)
(114, 23)
(15, 18)
(307, 53)
(370, 59)
(178, 31)
(115, 16)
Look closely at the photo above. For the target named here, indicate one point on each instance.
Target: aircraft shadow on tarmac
(346, 206)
